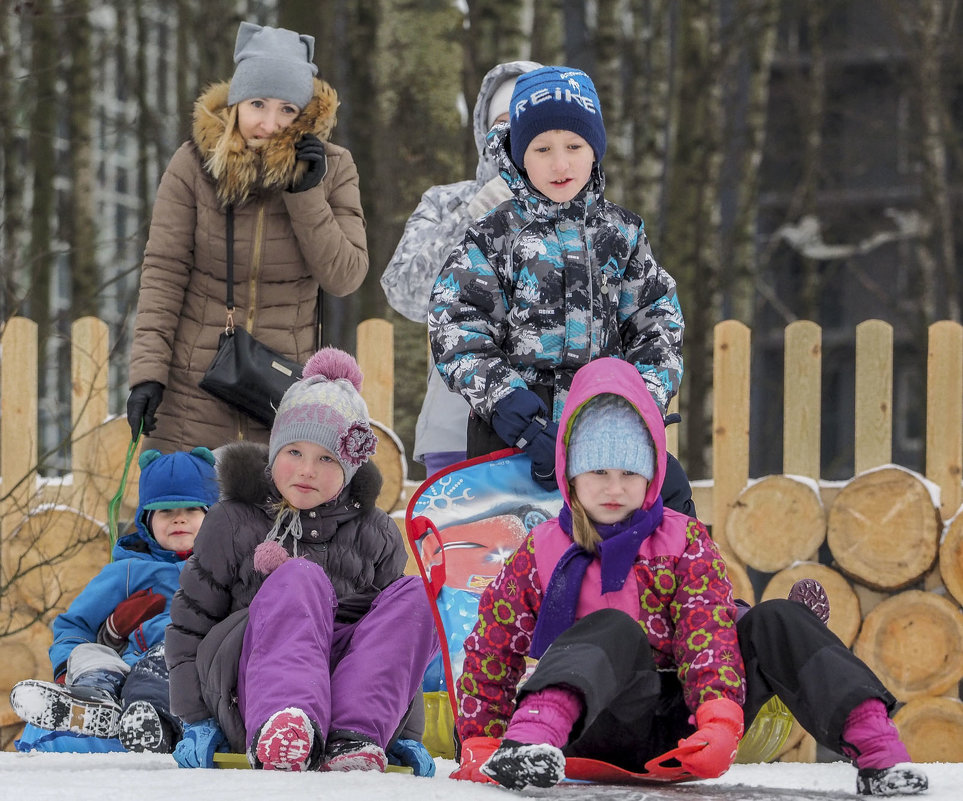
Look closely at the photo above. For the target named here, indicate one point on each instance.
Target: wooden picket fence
(895, 578)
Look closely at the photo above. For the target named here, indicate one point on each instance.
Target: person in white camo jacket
(433, 230)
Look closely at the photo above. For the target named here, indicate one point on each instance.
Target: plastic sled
(239, 762)
(462, 523)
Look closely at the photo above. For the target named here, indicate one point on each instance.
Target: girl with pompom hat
(295, 636)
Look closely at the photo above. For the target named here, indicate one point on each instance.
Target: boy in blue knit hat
(111, 680)
(550, 280)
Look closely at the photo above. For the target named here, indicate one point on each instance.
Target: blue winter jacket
(537, 289)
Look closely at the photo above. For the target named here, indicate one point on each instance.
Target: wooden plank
(376, 355)
(18, 421)
(730, 429)
(802, 394)
(874, 395)
(89, 361)
(944, 413)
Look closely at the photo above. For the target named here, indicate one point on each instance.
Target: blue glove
(412, 754)
(522, 420)
(197, 746)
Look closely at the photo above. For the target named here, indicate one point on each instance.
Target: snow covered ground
(151, 777)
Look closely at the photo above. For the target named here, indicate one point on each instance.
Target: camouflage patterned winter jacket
(537, 289)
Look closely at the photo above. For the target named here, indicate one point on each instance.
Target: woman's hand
(142, 406)
(310, 149)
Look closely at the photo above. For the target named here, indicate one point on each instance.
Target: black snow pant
(789, 652)
(633, 712)
(149, 681)
(676, 490)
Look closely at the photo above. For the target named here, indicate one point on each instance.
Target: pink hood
(616, 377)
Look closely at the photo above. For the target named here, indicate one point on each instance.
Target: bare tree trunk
(927, 29)
(546, 32)
(755, 28)
(11, 182)
(607, 76)
(42, 161)
(80, 228)
(691, 247)
(185, 79)
(804, 201)
(649, 110)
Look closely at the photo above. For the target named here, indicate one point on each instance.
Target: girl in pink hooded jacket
(627, 606)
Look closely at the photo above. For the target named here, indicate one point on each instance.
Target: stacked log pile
(894, 575)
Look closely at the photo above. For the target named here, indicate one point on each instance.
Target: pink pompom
(269, 556)
(333, 363)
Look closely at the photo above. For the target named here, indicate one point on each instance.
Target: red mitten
(720, 727)
(131, 612)
(474, 753)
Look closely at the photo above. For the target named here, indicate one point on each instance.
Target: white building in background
(131, 148)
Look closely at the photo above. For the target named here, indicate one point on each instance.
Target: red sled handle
(595, 770)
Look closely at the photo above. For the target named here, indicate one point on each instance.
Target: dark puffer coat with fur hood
(358, 545)
(286, 246)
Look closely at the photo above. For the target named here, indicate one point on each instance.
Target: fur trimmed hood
(242, 473)
(241, 172)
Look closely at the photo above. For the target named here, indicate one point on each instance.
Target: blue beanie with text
(555, 99)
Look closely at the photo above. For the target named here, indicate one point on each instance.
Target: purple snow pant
(348, 677)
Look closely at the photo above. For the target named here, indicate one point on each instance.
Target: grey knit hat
(272, 62)
(325, 408)
(610, 434)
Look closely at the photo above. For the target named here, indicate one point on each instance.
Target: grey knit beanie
(609, 434)
(326, 408)
(272, 62)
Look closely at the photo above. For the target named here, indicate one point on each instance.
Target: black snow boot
(519, 765)
(902, 779)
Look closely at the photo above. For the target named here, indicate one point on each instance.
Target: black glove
(311, 150)
(142, 406)
(522, 420)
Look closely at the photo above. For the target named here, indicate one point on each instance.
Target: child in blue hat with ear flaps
(110, 678)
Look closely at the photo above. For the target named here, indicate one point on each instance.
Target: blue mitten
(412, 754)
(522, 420)
(197, 746)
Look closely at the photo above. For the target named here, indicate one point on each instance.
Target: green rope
(114, 506)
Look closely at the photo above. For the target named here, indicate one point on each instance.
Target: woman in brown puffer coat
(259, 144)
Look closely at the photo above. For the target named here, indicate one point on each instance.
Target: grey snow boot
(519, 765)
(79, 709)
(902, 779)
(142, 728)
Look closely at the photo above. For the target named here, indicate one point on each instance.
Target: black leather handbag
(245, 372)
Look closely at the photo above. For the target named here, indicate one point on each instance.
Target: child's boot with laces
(88, 705)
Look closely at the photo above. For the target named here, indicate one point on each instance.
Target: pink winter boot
(872, 741)
(531, 753)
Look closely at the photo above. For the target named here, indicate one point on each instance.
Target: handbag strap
(229, 299)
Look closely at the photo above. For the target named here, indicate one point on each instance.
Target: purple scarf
(618, 549)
